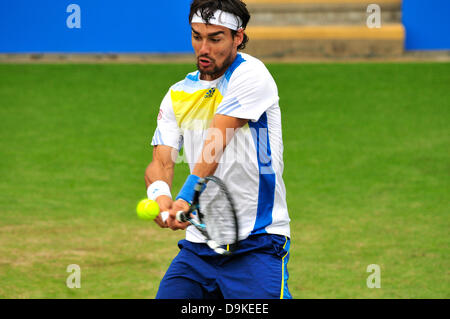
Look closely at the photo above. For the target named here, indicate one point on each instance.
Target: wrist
(188, 190)
(158, 188)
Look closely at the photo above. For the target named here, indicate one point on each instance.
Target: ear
(239, 37)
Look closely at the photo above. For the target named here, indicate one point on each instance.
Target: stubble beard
(217, 71)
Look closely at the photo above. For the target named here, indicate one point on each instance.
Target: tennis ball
(147, 209)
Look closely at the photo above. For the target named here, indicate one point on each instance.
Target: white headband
(222, 18)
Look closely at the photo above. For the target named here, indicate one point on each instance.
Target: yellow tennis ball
(147, 209)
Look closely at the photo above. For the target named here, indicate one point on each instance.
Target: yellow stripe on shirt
(195, 110)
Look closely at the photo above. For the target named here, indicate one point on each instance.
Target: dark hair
(236, 7)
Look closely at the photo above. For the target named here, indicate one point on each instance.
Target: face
(215, 49)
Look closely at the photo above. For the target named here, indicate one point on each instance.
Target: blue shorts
(256, 270)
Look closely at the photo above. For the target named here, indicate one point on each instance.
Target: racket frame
(195, 207)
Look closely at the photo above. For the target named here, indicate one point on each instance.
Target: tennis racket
(213, 213)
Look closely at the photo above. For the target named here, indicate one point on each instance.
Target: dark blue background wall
(427, 24)
(106, 26)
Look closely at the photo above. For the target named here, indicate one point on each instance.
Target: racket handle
(181, 217)
(164, 216)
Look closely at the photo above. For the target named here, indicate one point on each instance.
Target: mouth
(204, 62)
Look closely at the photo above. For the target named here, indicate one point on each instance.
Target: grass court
(367, 171)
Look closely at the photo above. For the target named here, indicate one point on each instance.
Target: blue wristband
(188, 190)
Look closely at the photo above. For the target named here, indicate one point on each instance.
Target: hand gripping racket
(213, 213)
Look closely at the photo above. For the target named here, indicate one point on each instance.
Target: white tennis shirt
(252, 164)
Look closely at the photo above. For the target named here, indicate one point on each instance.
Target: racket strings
(218, 215)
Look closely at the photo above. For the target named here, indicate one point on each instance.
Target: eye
(196, 37)
(215, 40)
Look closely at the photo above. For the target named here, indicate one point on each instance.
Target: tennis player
(226, 117)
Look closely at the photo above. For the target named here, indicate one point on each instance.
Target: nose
(204, 48)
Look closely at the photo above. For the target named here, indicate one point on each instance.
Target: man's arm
(219, 135)
(162, 165)
(161, 169)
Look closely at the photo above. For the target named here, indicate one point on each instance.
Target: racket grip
(181, 217)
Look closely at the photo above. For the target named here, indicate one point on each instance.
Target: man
(227, 118)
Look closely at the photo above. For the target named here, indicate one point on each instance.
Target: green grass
(367, 170)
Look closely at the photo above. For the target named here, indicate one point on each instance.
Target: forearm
(157, 171)
(209, 160)
(204, 169)
(219, 135)
(162, 166)
(158, 180)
